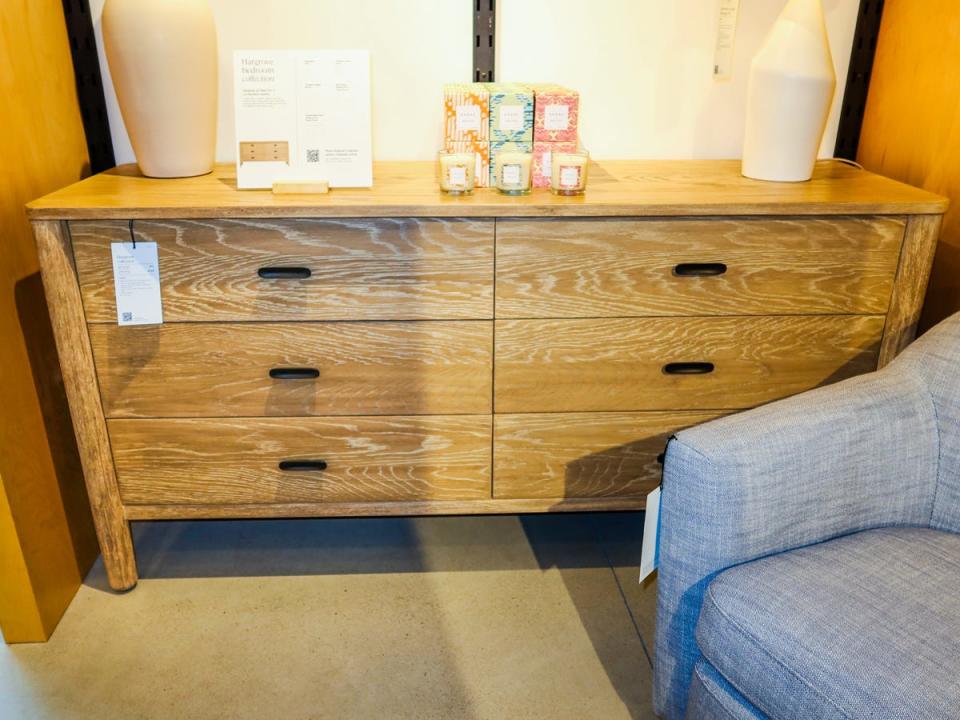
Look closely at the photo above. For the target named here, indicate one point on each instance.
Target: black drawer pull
(284, 273)
(294, 373)
(303, 465)
(699, 269)
(688, 368)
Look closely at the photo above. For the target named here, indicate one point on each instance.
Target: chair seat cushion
(863, 626)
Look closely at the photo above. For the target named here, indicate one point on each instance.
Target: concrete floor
(471, 617)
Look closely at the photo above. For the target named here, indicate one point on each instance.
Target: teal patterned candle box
(505, 146)
(511, 112)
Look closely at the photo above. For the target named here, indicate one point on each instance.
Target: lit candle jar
(512, 172)
(568, 172)
(457, 172)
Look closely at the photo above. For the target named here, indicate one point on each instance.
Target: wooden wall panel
(911, 128)
(47, 542)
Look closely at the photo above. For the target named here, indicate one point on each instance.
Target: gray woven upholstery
(867, 625)
(880, 450)
(713, 698)
(935, 358)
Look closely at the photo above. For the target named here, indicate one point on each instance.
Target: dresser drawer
(716, 363)
(263, 369)
(238, 461)
(565, 455)
(718, 266)
(379, 269)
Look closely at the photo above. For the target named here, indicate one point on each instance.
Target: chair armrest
(855, 455)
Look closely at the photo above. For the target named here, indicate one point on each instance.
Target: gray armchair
(809, 561)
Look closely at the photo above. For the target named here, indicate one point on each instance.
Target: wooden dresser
(396, 351)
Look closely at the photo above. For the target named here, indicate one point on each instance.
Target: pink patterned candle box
(482, 149)
(541, 160)
(556, 113)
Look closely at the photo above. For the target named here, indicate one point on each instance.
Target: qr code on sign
(313, 156)
(127, 316)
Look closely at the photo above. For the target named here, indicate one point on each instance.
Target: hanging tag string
(133, 238)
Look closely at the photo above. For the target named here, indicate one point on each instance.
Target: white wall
(643, 67)
(415, 47)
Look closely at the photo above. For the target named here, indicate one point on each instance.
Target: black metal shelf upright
(484, 39)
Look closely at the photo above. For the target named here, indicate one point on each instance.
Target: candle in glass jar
(568, 172)
(512, 172)
(457, 172)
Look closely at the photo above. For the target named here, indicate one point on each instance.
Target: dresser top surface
(409, 189)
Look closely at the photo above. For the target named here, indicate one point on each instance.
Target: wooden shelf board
(617, 188)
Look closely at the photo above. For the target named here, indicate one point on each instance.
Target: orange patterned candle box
(466, 112)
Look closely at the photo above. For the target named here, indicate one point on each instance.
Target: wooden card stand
(301, 187)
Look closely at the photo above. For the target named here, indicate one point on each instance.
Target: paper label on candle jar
(569, 176)
(556, 117)
(457, 176)
(468, 118)
(547, 164)
(510, 175)
(511, 118)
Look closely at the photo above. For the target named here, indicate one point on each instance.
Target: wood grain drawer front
(715, 363)
(235, 461)
(565, 455)
(285, 369)
(387, 269)
(612, 268)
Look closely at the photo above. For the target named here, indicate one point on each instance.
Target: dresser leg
(118, 557)
(80, 382)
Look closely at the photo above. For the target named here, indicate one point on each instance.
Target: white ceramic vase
(791, 87)
(163, 59)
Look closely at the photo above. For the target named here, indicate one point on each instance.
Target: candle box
(466, 112)
(511, 112)
(541, 160)
(503, 146)
(482, 149)
(556, 113)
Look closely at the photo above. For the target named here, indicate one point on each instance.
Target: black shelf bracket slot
(858, 78)
(86, 71)
(484, 39)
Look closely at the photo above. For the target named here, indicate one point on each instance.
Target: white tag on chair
(650, 551)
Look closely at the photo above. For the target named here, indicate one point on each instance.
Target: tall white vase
(788, 101)
(163, 59)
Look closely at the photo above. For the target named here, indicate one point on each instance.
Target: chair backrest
(935, 360)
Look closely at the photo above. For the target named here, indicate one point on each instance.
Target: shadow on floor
(617, 539)
(254, 548)
(589, 550)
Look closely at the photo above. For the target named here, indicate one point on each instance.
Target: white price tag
(650, 550)
(726, 34)
(468, 118)
(569, 176)
(510, 175)
(556, 117)
(457, 176)
(136, 281)
(511, 118)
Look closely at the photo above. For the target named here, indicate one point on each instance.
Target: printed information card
(136, 282)
(304, 116)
